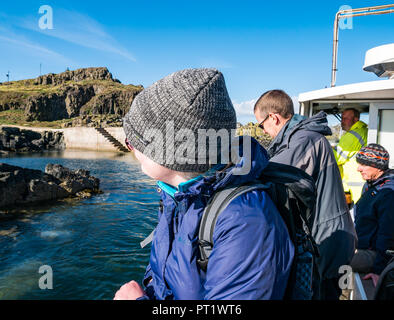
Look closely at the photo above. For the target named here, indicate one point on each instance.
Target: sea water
(91, 245)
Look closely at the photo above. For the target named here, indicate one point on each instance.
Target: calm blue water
(92, 245)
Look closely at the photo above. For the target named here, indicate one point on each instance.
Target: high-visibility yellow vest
(345, 154)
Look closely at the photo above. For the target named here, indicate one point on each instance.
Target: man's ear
(277, 120)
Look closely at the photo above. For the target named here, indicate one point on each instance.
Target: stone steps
(112, 140)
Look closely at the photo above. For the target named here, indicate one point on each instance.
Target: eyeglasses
(261, 124)
(128, 145)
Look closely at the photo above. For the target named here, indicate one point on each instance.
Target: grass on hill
(17, 118)
(28, 86)
(17, 92)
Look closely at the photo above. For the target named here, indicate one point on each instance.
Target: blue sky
(258, 45)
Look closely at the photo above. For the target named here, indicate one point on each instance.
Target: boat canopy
(372, 90)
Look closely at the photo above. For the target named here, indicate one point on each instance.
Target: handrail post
(384, 9)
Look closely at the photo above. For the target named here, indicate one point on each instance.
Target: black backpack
(385, 286)
(294, 194)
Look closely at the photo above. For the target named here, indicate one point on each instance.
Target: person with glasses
(301, 143)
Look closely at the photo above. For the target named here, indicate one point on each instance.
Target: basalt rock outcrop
(20, 186)
(13, 139)
(73, 182)
(52, 97)
(75, 75)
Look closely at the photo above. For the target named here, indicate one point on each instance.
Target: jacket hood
(251, 160)
(318, 123)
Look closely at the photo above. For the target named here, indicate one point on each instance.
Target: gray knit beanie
(374, 155)
(177, 106)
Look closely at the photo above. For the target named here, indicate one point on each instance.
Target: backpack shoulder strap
(211, 213)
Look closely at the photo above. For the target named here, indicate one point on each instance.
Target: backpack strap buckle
(205, 249)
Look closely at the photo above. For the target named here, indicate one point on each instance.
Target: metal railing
(349, 13)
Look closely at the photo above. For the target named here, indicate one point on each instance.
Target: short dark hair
(355, 112)
(276, 101)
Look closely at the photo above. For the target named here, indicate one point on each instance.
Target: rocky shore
(20, 186)
(13, 139)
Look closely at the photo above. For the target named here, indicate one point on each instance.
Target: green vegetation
(17, 117)
(107, 84)
(11, 117)
(27, 86)
(252, 129)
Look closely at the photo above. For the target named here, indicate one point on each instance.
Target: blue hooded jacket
(252, 254)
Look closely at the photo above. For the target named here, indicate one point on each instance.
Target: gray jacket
(301, 143)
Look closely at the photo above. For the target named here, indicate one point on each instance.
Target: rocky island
(20, 186)
(66, 110)
(83, 97)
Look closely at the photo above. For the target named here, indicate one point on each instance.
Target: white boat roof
(372, 90)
